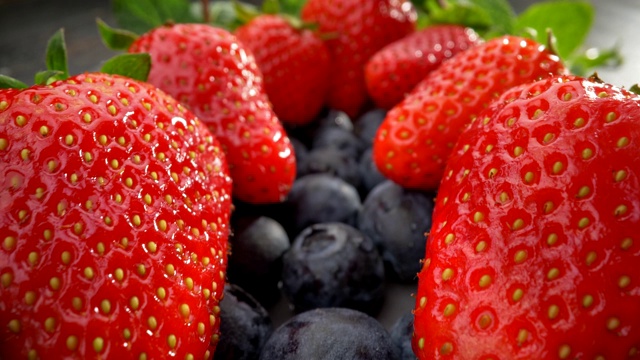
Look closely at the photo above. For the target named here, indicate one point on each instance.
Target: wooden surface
(26, 25)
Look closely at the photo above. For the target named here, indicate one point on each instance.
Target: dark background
(26, 25)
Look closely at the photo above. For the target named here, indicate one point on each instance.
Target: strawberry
(294, 63)
(354, 31)
(534, 249)
(396, 69)
(414, 141)
(215, 76)
(114, 218)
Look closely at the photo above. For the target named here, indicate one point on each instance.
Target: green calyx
(135, 66)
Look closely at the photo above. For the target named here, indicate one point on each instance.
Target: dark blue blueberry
(255, 263)
(335, 118)
(370, 176)
(401, 333)
(245, 326)
(300, 150)
(397, 220)
(338, 138)
(319, 198)
(366, 126)
(331, 161)
(333, 265)
(330, 334)
(329, 118)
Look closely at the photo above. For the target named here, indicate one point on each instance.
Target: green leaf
(7, 82)
(245, 12)
(569, 21)
(465, 14)
(291, 7)
(140, 16)
(500, 13)
(495, 17)
(56, 58)
(635, 89)
(221, 14)
(115, 39)
(586, 62)
(271, 7)
(46, 77)
(135, 66)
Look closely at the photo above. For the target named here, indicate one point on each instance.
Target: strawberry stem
(205, 11)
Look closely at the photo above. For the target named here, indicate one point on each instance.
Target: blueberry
(329, 118)
(299, 149)
(401, 333)
(318, 198)
(255, 263)
(338, 138)
(331, 161)
(333, 265)
(370, 176)
(331, 334)
(366, 126)
(245, 326)
(336, 118)
(397, 220)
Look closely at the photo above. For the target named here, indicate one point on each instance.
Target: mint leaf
(7, 82)
(140, 16)
(56, 58)
(135, 66)
(46, 77)
(635, 89)
(569, 21)
(115, 39)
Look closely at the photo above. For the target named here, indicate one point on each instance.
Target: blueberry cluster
(330, 250)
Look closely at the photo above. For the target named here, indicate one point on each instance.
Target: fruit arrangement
(245, 182)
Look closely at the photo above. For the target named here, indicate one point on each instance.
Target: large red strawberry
(396, 69)
(294, 63)
(354, 31)
(216, 77)
(534, 250)
(414, 141)
(114, 217)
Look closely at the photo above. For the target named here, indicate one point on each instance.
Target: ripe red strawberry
(355, 30)
(217, 78)
(414, 141)
(396, 69)
(294, 64)
(534, 250)
(114, 218)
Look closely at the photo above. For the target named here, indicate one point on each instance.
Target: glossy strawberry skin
(209, 71)
(114, 219)
(534, 249)
(414, 141)
(354, 31)
(294, 64)
(396, 69)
